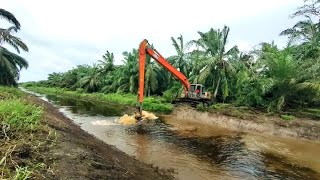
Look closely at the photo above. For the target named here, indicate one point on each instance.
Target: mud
(257, 123)
(79, 155)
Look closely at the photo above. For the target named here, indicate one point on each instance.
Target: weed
(22, 173)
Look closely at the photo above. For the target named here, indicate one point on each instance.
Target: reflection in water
(201, 152)
(85, 107)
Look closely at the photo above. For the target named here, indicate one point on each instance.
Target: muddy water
(196, 151)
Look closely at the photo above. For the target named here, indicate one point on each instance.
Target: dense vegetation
(10, 63)
(266, 77)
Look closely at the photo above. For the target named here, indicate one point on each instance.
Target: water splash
(131, 119)
(103, 123)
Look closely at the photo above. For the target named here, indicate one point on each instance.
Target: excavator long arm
(144, 49)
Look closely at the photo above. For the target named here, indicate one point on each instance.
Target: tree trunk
(217, 87)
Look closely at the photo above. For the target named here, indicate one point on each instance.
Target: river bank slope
(304, 128)
(60, 149)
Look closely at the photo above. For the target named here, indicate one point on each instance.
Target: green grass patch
(19, 115)
(313, 111)
(220, 105)
(287, 117)
(150, 103)
(10, 93)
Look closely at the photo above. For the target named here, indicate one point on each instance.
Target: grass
(19, 115)
(220, 106)
(18, 120)
(287, 117)
(150, 103)
(312, 113)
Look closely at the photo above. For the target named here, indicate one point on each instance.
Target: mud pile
(131, 119)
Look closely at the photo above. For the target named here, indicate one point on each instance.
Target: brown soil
(255, 122)
(72, 153)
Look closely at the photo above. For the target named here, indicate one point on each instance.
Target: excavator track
(192, 102)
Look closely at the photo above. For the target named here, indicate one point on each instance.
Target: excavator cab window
(193, 88)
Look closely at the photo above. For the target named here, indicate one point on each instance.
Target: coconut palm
(180, 60)
(215, 65)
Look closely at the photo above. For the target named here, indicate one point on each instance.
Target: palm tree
(180, 61)
(129, 72)
(151, 78)
(306, 34)
(292, 81)
(92, 80)
(215, 60)
(107, 64)
(55, 79)
(10, 66)
(10, 18)
(10, 63)
(7, 37)
(310, 8)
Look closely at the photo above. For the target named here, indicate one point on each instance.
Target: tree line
(267, 77)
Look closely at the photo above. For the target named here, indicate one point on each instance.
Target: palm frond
(9, 17)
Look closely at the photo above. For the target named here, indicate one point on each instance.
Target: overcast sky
(64, 33)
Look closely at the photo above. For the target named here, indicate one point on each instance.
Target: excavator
(192, 93)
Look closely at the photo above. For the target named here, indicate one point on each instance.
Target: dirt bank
(257, 123)
(78, 155)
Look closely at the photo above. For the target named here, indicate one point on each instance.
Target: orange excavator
(193, 93)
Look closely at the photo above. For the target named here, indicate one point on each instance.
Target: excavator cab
(197, 91)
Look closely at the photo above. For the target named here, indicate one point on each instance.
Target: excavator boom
(145, 49)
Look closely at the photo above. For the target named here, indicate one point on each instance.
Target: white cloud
(62, 34)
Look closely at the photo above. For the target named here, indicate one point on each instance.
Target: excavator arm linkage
(145, 49)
